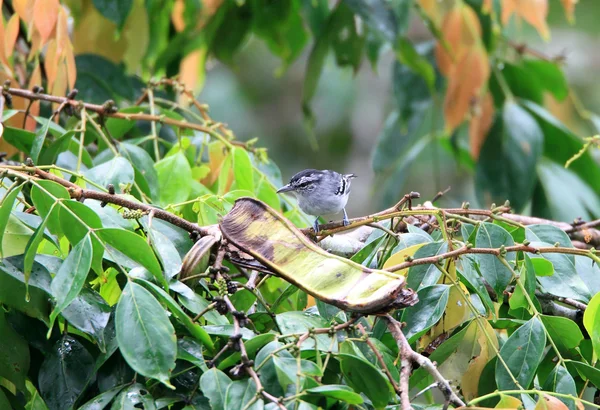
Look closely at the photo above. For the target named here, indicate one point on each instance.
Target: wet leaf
(214, 384)
(363, 377)
(14, 354)
(494, 272)
(426, 313)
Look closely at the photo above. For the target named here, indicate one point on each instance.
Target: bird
(320, 192)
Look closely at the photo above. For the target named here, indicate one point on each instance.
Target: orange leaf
(487, 6)
(45, 14)
(24, 8)
(461, 30)
(465, 83)
(532, 11)
(569, 6)
(547, 402)
(71, 68)
(11, 34)
(480, 123)
(3, 58)
(177, 15)
(51, 63)
(62, 33)
(191, 71)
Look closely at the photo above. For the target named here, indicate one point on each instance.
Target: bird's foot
(345, 221)
(316, 225)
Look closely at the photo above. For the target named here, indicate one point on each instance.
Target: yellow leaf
(96, 34)
(192, 72)
(177, 15)
(11, 34)
(509, 402)
(482, 351)
(547, 402)
(481, 122)
(532, 11)
(465, 83)
(400, 257)
(62, 33)
(71, 67)
(45, 14)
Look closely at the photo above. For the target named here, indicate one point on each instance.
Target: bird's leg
(316, 225)
(346, 221)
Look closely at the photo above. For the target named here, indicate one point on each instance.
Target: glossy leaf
(102, 400)
(560, 381)
(14, 354)
(134, 247)
(5, 210)
(118, 172)
(214, 384)
(135, 396)
(38, 142)
(195, 330)
(145, 334)
(507, 164)
(114, 10)
(34, 242)
(71, 276)
(89, 313)
(65, 373)
(242, 169)
(492, 269)
(240, 394)
(363, 377)
(190, 350)
(421, 276)
(522, 353)
(426, 313)
(565, 333)
(337, 392)
(174, 174)
(591, 321)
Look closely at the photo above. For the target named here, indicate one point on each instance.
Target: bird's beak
(285, 188)
(351, 176)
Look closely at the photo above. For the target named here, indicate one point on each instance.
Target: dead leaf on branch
(533, 12)
(481, 121)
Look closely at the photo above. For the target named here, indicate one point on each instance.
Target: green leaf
(408, 55)
(13, 290)
(89, 313)
(195, 303)
(65, 373)
(102, 400)
(252, 346)
(494, 272)
(560, 144)
(135, 396)
(300, 322)
(18, 138)
(118, 171)
(377, 15)
(38, 142)
(563, 195)
(346, 41)
(508, 159)
(35, 401)
(591, 321)
(561, 381)
(240, 394)
(134, 247)
(230, 36)
(522, 353)
(337, 392)
(468, 273)
(174, 175)
(145, 335)
(565, 333)
(70, 278)
(541, 266)
(195, 330)
(549, 75)
(243, 170)
(58, 146)
(267, 371)
(363, 377)
(426, 313)
(114, 10)
(421, 276)
(5, 210)
(189, 349)
(588, 372)
(214, 384)
(43, 195)
(34, 242)
(314, 67)
(14, 354)
(143, 163)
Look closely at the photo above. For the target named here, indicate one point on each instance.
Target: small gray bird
(320, 192)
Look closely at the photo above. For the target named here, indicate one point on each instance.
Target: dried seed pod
(196, 260)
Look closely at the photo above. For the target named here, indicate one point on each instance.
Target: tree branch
(409, 354)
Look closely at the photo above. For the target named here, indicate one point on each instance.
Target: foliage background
(408, 106)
